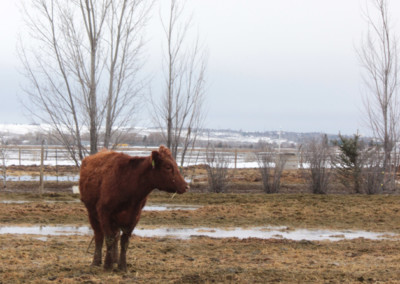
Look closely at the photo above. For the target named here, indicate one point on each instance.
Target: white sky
(287, 64)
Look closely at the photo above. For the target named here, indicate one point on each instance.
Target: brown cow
(114, 188)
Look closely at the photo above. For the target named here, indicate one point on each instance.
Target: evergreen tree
(349, 161)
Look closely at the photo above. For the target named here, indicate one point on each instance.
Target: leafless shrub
(373, 174)
(315, 161)
(217, 169)
(270, 164)
(379, 170)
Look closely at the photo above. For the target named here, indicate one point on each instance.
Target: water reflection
(187, 233)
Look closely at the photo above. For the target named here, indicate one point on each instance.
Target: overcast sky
(287, 64)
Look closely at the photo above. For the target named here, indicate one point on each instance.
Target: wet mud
(202, 257)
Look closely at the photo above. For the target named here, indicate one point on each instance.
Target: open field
(41, 258)
(63, 259)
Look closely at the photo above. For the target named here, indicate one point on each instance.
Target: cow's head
(167, 176)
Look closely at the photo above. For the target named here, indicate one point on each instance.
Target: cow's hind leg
(111, 235)
(98, 239)
(115, 248)
(111, 243)
(124, 247)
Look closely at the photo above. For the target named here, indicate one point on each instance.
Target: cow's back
(95, 170)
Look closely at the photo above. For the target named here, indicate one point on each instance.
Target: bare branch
(378, 55)
(85, 76)
(180, 112)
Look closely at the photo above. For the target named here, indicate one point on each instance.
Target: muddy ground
(64, 259)
(203, 260)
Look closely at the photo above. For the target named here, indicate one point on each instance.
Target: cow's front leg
(127, 220)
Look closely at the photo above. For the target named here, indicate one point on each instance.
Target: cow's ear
(164, 151)
(155, 158)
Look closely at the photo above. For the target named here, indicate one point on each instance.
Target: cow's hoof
(108, 266)
(122, 268)
(96, 262)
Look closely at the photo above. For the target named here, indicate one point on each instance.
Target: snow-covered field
(31, 156)
(23, 155)
(225, 136)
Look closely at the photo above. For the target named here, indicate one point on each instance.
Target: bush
(217, 170)
(315, 163)
(270, 164)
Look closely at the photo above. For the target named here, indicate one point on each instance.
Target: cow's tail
(87, 250)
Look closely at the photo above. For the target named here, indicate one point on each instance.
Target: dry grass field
(64, 259)
(203, 260)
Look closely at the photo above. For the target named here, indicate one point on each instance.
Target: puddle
(261, 233)
(152, 207)
(14, 201)
(187, 233)
(46, 230)
(46, 201)
(169, 207)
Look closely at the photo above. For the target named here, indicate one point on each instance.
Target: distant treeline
(153, 137)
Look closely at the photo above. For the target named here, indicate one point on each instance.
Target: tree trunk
(93, 106)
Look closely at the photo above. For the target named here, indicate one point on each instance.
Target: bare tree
(180, 112)
(378, 55)
(271, 165)
(84, 68)
(315, 162)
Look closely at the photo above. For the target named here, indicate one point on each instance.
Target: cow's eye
(168, 167)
